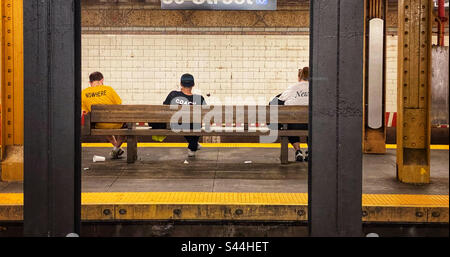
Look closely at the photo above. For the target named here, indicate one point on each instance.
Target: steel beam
(414, 97)
(336, 92)
(52, 117)
(12, 90)
(12, 71)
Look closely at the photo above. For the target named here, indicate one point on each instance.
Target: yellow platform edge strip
(235, 145)
(212, 198)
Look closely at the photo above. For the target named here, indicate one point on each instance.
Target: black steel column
(335, 170)
(52, 117)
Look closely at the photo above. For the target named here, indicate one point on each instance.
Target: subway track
(229, 229)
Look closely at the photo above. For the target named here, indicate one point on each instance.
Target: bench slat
(164, 113)
(166, 132)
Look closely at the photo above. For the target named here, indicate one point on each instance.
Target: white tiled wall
(391, 73)
(233, 69)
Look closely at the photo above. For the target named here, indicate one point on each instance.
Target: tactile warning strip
(237, 198)
(405, 200)
(236, 206)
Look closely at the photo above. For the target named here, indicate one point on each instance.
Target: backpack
(275, 101)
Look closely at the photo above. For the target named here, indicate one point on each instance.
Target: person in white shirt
(298, 94)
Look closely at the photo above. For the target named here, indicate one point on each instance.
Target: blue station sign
(256, 5)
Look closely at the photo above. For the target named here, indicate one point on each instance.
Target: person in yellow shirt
(98, 93)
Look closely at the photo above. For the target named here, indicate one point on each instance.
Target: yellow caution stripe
(235, 145)
(432, 147)
(237, 206)
(236, 198)
(211, 145)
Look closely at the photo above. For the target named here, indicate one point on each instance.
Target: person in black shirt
(185, 97)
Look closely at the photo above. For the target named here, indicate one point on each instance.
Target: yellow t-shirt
(100, 95)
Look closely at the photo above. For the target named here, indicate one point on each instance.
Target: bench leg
(284, 150)
(131, 149)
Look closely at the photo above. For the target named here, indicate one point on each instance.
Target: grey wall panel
(335, 170)
(51, 158)
(35, 140)
(323, 118)
(350, 111)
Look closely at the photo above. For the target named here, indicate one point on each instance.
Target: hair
(95, 76)
(303, 74)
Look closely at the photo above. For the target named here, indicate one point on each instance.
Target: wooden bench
(132, 114)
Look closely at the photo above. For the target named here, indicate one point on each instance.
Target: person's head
(187, 80)
(96, 79)
(303, 74)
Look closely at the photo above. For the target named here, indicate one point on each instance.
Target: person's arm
(203, 101)
(168, 99)
(286, 94)
(84, 106)
(116, 97)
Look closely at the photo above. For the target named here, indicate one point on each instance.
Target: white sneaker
(299, 156)
(191, 153)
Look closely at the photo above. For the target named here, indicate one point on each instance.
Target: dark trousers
(193, 143)
(192, 140)
(294, 140)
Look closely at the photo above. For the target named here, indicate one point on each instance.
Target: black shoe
(114, 155)
(299, 156)
(306, 156)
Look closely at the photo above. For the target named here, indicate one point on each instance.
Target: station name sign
(256, 5)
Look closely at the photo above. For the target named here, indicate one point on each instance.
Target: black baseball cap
(187, 80)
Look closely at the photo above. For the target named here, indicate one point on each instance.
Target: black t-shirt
(179, 98)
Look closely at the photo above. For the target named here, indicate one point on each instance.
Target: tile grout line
(215, 171)
(117, 178)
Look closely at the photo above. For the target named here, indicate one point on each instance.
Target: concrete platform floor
(225, 170)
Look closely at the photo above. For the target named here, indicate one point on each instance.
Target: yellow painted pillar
(414, 84)
(12, 90)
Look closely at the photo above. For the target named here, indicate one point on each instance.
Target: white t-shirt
(297, 94)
